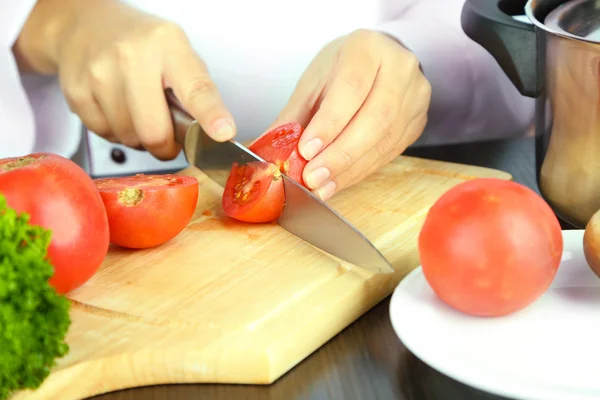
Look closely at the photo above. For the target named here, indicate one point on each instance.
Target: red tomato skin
(264, 206)
(280, 147)
(296, 167)
(163, 212)
(60, 196)
(490, 247)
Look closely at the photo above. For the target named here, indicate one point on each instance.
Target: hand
(114, 63)
(363, 100)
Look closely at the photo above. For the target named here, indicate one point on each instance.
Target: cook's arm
(472, 99)
(36, 46)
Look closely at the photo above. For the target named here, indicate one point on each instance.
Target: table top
(367, 360)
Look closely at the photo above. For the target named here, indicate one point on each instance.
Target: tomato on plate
(61, 197)
(254, 192)
(591, 243)
(280, 147)
(490, 247)
(148, 210)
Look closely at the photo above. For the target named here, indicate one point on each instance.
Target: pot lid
(579, 19)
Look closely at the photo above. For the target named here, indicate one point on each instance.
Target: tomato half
(490, 247)
(254, 193)
(60, 196)
(280, 147)
(148, 210)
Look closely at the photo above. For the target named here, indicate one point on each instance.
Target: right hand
(114, 63)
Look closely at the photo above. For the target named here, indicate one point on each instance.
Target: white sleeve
(472, 98)
(17, 125)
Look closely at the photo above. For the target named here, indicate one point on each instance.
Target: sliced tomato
(280, 147)
(147, 210)
(254, 193)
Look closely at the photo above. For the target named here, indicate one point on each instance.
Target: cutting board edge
(366, 293)
(333, 331)
(145, 367)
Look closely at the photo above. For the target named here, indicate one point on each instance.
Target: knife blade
(304, 215)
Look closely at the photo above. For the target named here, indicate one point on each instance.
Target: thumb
(294, 111)
(302, 104)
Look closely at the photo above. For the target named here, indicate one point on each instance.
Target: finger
(149, 111)
(370, 124)
(80, 100)
(370, 162)
(420, 100)
(351, 83)
(113, 139)
(304, 100)
(298, 109)
(108, 90)
(194, 87)
(308, 93)
(109, 137)
(92, 116)
(402, 133)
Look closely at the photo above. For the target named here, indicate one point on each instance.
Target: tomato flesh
(490, 247)
(60, 196)
(254, 193)
(148, 210)
(279, 146)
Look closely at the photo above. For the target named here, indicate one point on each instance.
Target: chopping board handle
(180, 117)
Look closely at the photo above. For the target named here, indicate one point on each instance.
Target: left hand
(363, 101)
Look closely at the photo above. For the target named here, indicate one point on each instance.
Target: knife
(304, 215)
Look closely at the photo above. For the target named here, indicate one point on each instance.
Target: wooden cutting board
(228, 302)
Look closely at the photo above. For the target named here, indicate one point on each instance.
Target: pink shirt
(257, 54)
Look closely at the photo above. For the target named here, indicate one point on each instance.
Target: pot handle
(512, 43)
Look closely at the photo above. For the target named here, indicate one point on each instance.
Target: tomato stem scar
(20, 162)
(131, 197)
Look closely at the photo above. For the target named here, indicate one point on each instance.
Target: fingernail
(223, 129)
(317, 177)
(312, 148)
(327, 190)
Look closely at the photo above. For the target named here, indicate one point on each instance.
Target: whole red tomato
(490, 247)
(59, 196)
(591, 243)
(148, 210)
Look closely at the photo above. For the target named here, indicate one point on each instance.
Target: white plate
(548, 351)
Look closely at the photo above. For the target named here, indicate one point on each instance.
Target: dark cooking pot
(552, 53)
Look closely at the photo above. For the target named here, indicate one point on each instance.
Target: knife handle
(180, 117)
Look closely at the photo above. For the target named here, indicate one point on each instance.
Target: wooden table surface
(366, 360)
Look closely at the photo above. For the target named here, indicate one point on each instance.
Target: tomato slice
(280, 147)
(254, 192)
(147, 210)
